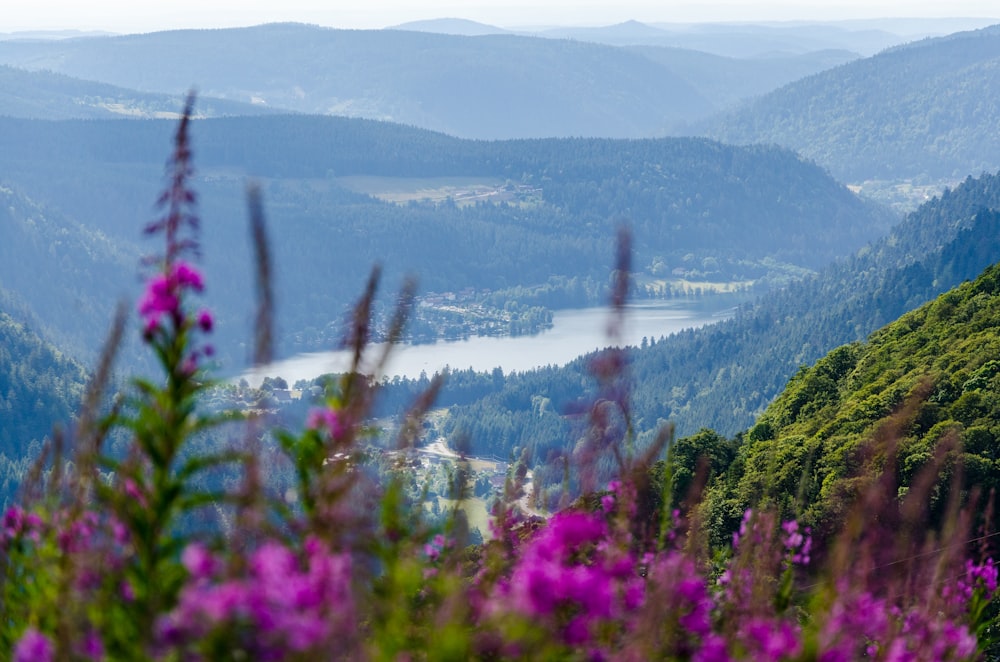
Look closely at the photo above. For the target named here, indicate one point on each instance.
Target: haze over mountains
(915, 112)
(734, 39)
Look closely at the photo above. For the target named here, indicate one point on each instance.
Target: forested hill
(934, 372)
(725, 375)
(926, 111)
(547, 213)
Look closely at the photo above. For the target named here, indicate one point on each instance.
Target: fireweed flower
(164, 293)
(92, 647)
(977, 575)
(33, 647)
(567, 577)
(281, 606)
(205, 321)
(798, 543)
(325, 419)
(771, 640)
(198, 561)
(744, 523)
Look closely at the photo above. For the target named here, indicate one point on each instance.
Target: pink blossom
(92, 646)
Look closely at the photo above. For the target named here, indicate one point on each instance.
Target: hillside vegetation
(920, 392)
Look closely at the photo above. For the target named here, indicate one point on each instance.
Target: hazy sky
(150, 15)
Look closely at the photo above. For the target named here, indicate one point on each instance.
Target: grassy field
(400, 190)
(475, 511)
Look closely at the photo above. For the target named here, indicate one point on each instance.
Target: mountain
(725, 375)
(928, 381)
(79, 193)
(45, 95)
(924, 111)
(455, 26)
(494, 86)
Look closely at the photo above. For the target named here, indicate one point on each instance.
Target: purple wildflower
(772, 640)
(325, 419)
(288, 606)
(198, 561)
(205, 321)
(92, 646)
(186, 276)
(33, 647)
(797, 543)
(163, 295)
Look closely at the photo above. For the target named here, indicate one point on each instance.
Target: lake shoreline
(574, 332)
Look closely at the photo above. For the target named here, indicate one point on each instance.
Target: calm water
(574, 332)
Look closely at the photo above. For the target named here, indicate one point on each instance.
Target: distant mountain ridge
(50, 96)
(487, 86)
(745, 39)
(494, 86)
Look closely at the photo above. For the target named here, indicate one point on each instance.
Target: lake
(573, 333)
